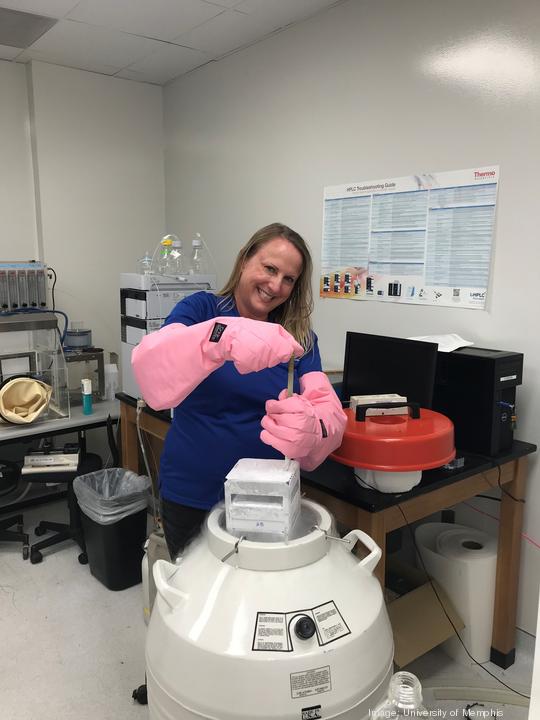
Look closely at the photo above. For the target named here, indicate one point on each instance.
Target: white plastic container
(269, 631)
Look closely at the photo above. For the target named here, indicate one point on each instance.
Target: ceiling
(150, 41)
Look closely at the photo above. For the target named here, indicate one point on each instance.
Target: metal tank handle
(371, 560)
(172, 596)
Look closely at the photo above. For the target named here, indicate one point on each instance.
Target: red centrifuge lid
(397, 443)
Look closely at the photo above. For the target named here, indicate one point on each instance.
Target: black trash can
(115, 551)
(113, 505)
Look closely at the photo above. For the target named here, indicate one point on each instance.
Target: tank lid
(308, 545)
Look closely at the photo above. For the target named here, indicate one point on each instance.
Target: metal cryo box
(476, 388)
(145, 301)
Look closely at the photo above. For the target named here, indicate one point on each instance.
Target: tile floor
(71, 648)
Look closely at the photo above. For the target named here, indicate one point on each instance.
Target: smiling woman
(222, 362)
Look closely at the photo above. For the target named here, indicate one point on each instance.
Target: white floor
(71, 648)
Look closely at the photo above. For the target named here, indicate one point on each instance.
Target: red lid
(397, 443)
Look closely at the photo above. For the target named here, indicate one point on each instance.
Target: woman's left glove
(306, 427)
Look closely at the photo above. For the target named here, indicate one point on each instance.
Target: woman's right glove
(170, 363)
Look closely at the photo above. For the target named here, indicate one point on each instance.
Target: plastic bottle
(404, 699)
(199, 259)
(86, 384)
(164, 259)
(144, 264)
(176, 257)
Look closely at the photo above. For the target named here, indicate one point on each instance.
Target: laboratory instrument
(244, 629)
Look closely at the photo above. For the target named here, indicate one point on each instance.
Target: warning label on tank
(271, 632)
(311, 682)
(330, 624)
(276, 632)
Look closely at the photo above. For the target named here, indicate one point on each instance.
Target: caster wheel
(39, 531)
(83, 559)
(140, 695)
(35, 557)
(25, 552)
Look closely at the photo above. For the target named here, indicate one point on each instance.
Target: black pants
(181, 524)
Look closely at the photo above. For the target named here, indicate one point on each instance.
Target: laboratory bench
(334, 486)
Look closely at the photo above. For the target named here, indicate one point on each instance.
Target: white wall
(343, 98)
(18, 239)
(99, 158)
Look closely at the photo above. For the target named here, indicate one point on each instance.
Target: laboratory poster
(424, 239)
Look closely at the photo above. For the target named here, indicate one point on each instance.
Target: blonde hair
(295, 313)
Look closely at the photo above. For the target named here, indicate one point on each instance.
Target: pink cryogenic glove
(171, 362)
(306, 427)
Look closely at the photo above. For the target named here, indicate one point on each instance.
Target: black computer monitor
(376, 364)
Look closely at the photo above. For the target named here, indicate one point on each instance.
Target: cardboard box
(418, 620)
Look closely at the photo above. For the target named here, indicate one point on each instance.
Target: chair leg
(18, 535)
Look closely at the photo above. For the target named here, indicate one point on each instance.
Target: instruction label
(330, 624)
(311, 682)
(271, 632)
(273, 629)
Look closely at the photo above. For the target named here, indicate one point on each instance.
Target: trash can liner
(111, 494)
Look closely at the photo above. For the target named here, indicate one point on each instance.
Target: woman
(221, 362)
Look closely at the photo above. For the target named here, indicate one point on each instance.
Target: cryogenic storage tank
(246, 630)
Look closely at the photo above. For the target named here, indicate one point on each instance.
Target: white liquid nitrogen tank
(269, 631)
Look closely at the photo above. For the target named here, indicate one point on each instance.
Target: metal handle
(371, 560)
(172, 596)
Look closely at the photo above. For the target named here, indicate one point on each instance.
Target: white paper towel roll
(463, 561)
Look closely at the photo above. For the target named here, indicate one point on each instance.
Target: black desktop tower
(476, 389)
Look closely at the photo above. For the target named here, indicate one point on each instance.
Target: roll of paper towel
(464, 562)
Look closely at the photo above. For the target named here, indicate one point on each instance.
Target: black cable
(53, 285)
(495, 463)
(447, 615)
(488, 497)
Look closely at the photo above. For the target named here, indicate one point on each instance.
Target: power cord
(497, 465)
(141, 404)
(447, 615)
(53, 286)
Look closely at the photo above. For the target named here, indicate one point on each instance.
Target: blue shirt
(220, 421)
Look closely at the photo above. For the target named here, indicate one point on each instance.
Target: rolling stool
(64, 531)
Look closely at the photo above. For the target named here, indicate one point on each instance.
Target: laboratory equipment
(23, 285)
(30, 346)
(199, 264)
(242, 629)
(476, 388)
(389, 452)
(145, 301)
(404, 699)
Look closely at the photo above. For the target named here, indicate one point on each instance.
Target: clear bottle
(404, 699)
(199, 260)
(164, 259)
(144, 264)
(176, 257)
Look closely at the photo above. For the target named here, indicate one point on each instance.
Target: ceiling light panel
(21, 29)
(49, 8)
